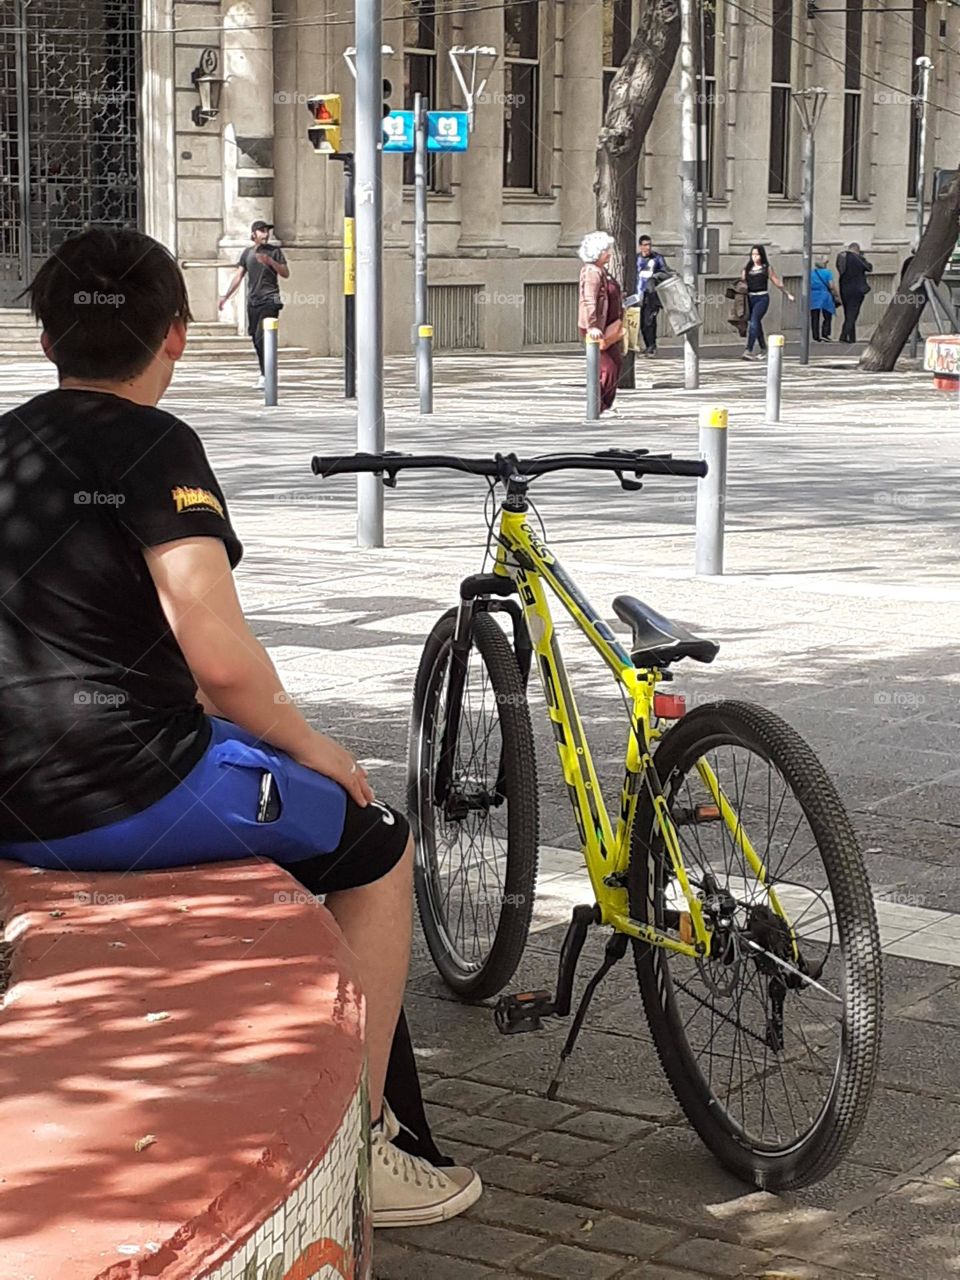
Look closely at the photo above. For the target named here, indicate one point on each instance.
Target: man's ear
(176, 340)
(46, 344)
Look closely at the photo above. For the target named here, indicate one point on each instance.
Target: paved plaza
(840, 609)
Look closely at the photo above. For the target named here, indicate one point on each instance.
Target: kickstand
(615, 950)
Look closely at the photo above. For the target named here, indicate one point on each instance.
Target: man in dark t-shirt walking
(142, 724)
(262, 264)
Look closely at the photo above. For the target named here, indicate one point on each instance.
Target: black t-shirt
(98, 709)
(758, 279)
(263, 283)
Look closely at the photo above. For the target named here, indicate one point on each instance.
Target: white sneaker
(610, 413)
(261, 382)
(408, 1191)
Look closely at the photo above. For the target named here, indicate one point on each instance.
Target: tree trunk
(635, 91)
(903, 312)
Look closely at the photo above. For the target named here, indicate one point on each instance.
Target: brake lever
(389, 474)
(629, 485)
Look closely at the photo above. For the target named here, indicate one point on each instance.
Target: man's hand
(221, 304)
(595, 333)
(325, 756)
(265, 260)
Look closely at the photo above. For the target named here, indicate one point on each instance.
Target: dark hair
(763, 256)
(643, 238)
(106, 299)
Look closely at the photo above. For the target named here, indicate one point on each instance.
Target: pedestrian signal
(326, 109)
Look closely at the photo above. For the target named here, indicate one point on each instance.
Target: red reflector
(669, 706)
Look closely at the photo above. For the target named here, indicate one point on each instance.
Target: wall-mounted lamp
(208, 86)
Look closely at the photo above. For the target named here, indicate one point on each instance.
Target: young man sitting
(143, 724)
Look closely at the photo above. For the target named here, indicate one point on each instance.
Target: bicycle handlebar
(506, 466)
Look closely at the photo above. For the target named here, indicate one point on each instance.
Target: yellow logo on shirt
(187, 499)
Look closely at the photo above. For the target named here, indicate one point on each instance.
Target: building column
(247, 111)
(892, 124)
(582, 115)
(481, 169)
(749, 129)
(158, 130)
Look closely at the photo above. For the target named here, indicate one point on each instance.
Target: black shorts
(372, 844)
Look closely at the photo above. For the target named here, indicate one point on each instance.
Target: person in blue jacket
(823, 299)
(648, 263)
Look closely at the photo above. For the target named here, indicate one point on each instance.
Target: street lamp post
(924, 66)
(809, 104)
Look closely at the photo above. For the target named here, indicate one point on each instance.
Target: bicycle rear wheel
(477, 849)
(771, 1050)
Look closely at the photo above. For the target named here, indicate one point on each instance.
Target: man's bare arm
(233, 286)
(281, 268)
(232, 669)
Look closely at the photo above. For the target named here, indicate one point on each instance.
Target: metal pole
(349, 282)
(424, 330)
(593, 379)
(712, 491)
(808, 180)
(271, 326)
(688, 186)
(368, 157)
(703, 143)
(925, 66)
(774, 375)
(425, 366)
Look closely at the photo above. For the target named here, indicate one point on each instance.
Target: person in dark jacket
(852, 269)
(648, 264)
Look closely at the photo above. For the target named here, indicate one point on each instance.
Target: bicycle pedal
(522, 1012)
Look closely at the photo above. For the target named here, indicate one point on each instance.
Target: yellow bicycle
(731, 867)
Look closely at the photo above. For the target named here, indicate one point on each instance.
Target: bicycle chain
(724, 1016)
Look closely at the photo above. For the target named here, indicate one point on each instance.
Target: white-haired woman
(601, 311)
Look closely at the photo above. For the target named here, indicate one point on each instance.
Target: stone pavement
(840, 609)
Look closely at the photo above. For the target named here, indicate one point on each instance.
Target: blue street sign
(447, 131)
(398, 131)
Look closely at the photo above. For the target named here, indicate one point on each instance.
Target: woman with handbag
(601, 312)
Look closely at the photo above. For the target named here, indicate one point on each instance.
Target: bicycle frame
(524, 558)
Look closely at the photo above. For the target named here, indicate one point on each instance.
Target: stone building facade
(506, 217)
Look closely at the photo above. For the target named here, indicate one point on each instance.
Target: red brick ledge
(244, 1083)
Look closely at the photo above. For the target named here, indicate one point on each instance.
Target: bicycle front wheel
(771, 1043)
(477, 846)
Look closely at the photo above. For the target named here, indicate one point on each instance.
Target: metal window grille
(69, 152)
(550, 314)
(455, 312)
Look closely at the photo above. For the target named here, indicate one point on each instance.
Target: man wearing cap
(262, 263)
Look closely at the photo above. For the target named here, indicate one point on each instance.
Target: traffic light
(387, 90)
(326, 109)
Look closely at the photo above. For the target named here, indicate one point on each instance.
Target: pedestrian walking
(758, 275)
(601, 312)
(649, 263)
(852, 270)
(823, 299)
(262, 264)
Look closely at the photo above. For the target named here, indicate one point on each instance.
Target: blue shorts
(211, 816)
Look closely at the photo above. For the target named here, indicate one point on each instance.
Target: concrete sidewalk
(841, 610)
